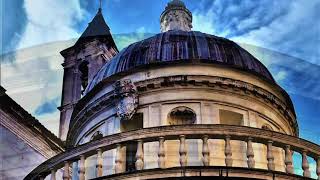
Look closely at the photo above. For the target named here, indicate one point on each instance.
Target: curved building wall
(207, 94)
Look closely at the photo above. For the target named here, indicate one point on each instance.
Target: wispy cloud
(48, 106)
(50, 20)
(285, 26)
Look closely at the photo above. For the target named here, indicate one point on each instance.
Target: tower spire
(100, 5)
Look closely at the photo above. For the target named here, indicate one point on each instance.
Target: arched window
(266, 127)
(182, 115)
(83, 68)
(96, 136)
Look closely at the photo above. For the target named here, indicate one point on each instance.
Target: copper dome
(182, 47)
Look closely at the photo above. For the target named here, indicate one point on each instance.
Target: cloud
(50, 20)
(281, 75)
(34, 78)
(285, 26)
(49, 106)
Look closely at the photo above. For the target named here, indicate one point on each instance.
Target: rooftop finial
(176, 16)
(100, 5)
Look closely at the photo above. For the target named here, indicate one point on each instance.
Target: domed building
(179, 105)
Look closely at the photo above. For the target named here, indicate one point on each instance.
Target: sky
(284, 35)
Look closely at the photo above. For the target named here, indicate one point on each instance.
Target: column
(53, 174)
(205, 151)
(270, 157)
(139, 156)
(250, 154)
(183, 151)
(118, 160)
(99, 163)
(66, 174)
(318, 167)
(288, 160)
(228, 152)
(82, 167)
(161, 153)
(305, 164)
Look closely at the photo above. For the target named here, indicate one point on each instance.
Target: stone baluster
(183, 151)
(205, 151)
(305, 164)
(53, 174)
(228, 152)
(318, 167)
(118, 160)
(82, 167)
(270, 156)
(250, 154)
(99, 163)
(139, 156)
(66, 174)
(161, 153)
(288, 160)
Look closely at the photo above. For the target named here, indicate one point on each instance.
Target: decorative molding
(82, 115)
(206, 172)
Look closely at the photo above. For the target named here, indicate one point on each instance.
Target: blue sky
(284, 35)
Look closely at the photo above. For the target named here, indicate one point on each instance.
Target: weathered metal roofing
(97, 28)
(182, 47)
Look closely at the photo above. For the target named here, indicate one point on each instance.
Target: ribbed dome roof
(182, 47)
(176, 3)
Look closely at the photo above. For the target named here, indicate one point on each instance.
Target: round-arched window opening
(96, 136)
(267, 127)
(182, 115)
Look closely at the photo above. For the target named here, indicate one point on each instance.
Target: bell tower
(82, 61)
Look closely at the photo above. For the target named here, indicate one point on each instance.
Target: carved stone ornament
(126, 93)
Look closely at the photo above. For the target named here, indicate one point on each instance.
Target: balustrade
(250, 138)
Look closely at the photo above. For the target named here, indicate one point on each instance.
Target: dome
(181, 47)
(176, 3)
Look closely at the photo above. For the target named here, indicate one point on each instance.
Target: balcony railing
(249, 135)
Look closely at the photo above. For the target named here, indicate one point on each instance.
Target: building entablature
(207, 88)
